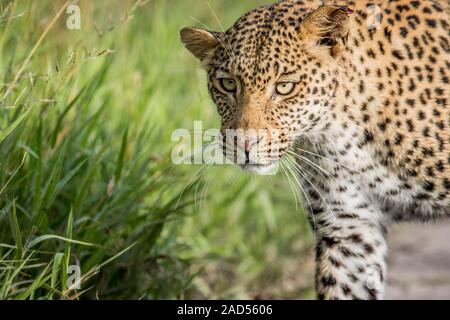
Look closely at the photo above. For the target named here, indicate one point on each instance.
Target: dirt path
(419, 262)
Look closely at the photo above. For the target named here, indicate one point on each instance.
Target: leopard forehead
(262, 44)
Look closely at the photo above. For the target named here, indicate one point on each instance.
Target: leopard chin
(261, 169)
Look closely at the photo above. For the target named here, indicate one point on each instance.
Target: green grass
(85, 172)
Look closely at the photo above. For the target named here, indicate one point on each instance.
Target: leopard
(359, 94)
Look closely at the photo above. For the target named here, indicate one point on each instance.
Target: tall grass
(85, 173)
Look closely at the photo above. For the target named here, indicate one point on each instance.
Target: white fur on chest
(356, 166)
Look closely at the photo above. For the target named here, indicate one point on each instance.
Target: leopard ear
(200, 43)
(326, 29)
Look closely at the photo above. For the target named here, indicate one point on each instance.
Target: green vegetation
(86, 179)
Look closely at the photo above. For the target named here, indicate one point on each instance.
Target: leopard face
(272, 76)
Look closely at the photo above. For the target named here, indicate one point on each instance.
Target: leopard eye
(284, 88)
(228, 84)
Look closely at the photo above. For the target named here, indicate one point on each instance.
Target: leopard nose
(249, 143)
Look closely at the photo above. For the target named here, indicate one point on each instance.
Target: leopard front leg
(350, 243)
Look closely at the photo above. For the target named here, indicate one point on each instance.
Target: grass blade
(6, 132)
(16, 231)
(45, 237)
(57, 265)
(121, 157)
(66, 260)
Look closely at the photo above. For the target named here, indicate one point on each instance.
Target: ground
(418, 266)
(419, 261)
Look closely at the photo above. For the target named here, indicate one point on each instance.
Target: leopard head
(272, 76)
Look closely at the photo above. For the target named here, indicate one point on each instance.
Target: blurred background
(91, 205)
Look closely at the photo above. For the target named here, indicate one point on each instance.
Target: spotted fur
(373, 103)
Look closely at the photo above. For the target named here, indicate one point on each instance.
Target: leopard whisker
(196, 176)
(210, 30)
(317, 153)
(294, 191)
(221, 27)
(315, 169)
(324, 158)
(353, 169)
(304, 194)
(309, 162)
(203, 193)
(300, 171)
